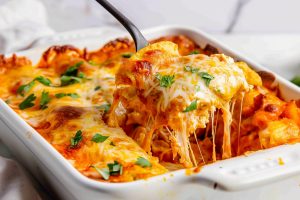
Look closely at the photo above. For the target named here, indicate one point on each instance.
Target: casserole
(237, 173)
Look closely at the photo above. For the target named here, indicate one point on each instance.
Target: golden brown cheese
(204, 82)
(167, 99)
(75, 105)
(213, 108)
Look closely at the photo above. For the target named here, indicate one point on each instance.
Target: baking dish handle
(256, 169)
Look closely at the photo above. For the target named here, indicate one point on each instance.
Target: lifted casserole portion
(185, 109)
(167, 95)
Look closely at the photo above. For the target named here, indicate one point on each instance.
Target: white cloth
(21, 23)
(14, 184)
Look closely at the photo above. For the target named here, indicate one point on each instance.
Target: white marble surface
(215, 16)
(278, 52)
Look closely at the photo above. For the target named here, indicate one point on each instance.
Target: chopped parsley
(165, 80)
(61, 95)
(99, 138)
(72, 75)
(69, 80)
(206, 77)
(25, 88)
(103, 172)
(73, 70)
(191, 107)
(28, 102)
(76, 139)
(191, 69)
(97, 88)
(143, 162)
(296, 80)
(81, 75)
(194, 52)
(126, 55)
(43, 80)
(45, 99)
(104, 107)
(115, 168)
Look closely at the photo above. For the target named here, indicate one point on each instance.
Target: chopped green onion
(45, 99)
(190, 69)
(68, 80)
(296, 80)
(43, 80)
(194, 52)
(76, 139)
(103, 172)
(81, 75)
(99, 138)
(143, 162)
(206, 77)
(73, 70)
(191, 107)
(165, 80)
(73, 95)
(71, 75)
(25, 88)
(28, 102)
(115, 168)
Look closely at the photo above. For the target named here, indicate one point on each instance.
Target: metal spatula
(135, 33)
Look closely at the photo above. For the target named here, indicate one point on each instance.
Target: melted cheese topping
(64, 116)
(168, 110)
(178, 95)
(211, 82)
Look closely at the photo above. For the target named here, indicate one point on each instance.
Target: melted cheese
(64, 116)
(227, 82)
(206, 108)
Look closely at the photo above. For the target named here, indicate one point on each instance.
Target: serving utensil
(138, 38)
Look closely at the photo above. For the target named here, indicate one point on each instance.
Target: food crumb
(280, 161)
(247, 153)
(164, 179)
(197, 169)
(188, 172)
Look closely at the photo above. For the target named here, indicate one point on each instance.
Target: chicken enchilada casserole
(120, 116)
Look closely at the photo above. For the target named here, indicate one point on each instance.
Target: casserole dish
(233, 174)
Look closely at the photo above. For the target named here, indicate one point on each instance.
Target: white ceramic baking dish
(240, 173)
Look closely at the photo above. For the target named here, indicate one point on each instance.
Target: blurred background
(266, 30)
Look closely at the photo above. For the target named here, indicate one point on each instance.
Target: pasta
(120, 116)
